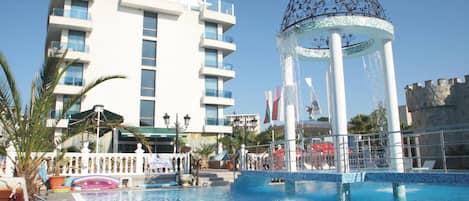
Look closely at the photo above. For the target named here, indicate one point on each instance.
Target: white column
(289, 92)
(338, 100)
(394, 129)
(139, 159)
(85, 155)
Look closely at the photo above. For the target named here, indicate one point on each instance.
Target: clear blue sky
(432, 37)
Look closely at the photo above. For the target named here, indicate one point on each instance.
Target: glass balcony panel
(225, 7)
(217, 122)
(72, 81)
(78, 47)
(218, 93)
(77, 14)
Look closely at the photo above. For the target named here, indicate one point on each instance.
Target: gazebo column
(338, 106)
(394, 130)
(289, 97)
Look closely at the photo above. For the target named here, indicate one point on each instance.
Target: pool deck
(460, 178)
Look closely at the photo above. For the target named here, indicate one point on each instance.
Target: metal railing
(218, 93)
(76, 14)
(440, 150)
(219, 37)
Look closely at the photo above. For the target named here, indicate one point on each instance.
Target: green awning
(153, 132)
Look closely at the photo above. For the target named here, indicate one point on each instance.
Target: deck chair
(427, 165)
(218, 161)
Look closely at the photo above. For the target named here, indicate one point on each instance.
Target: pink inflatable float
(95, 183)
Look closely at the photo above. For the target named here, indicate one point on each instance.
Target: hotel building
(172, 53)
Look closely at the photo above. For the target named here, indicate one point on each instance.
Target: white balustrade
(110, 164)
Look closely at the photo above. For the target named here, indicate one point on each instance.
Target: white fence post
(10, 161)
(139, 160)
(85, 155)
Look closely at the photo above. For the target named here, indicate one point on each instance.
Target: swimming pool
(306, 191)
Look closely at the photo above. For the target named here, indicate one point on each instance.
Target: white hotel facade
(171, 51)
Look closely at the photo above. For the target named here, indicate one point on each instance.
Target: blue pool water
(306, 191)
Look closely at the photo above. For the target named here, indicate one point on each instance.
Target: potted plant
(57, 163)
(204, 151)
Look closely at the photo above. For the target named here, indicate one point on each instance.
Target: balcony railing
(218, 93)
(72, 81)
(77, 47)
(219, 6)
(77, 14)
(217, 122)
(220, 37)
(225, 66)
(57, 114)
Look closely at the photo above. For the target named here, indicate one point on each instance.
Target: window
(149, 24)
(75, 108)
(147, 113)
(211, 31)
(211, 113)
(74, 75)
(76, 40)
(211, 57)
(147, 86)
(149, 53)
(211, 86)
(79, 9)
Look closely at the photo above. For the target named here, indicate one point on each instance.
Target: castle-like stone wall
(444, 103)
(437, 105)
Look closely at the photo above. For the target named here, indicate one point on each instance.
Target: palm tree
(25, 127)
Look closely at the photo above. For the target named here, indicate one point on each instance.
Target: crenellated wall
(436, 104)
(440, 104)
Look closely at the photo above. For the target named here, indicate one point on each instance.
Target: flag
(268, 117)
(276, 101)
(314, 108)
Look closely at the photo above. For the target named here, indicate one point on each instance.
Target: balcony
(75, 51)
(223, 70)
(215, 125)
(170, 7)
(218, 97)
(219, 12)
(70, 19)
(55, 118)
(221, 42)
(69, 86)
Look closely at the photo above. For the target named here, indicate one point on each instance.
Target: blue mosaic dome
(299, 12)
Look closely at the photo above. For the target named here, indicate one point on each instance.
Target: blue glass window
(211, 113)
(149, 24)
(147, 113)
(75, 107)
(74, 75)
(149, 53)
(79, 9)
(211, 57)
(211, 31)
(76, 40)
(147, 87)
(211, 86)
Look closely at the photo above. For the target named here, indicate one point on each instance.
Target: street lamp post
(251, 124)
(177, 125)
(246, 125)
